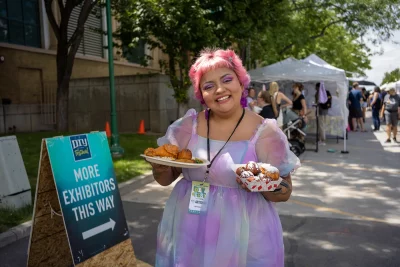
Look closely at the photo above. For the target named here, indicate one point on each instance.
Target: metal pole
(116, 149)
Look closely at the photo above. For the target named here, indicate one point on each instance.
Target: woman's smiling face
(221, 90)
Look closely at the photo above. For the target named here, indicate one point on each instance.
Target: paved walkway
(344, 211)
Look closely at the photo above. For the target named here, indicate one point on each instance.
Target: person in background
(364, 103)
(390, 110)
(383, 94)
(376, 105)
(299, 102)
(278, 97)
(251, 102)
(322, 113)
(355, 100)
(267, 103)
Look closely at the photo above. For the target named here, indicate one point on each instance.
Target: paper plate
(172, 163)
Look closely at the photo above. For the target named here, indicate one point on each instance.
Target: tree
(66, 49)
(392, 76)
(240, 24)
(358, 17)
(337, 47)
(261, 31)
(177, 27)
(334, 29)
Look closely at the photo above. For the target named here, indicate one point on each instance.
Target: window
(92, 40)
(135, 54)
(19, 22)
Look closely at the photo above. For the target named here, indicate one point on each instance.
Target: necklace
(208, 143)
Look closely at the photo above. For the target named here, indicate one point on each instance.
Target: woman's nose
(220, 87)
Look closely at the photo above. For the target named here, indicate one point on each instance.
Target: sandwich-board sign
(78, 206)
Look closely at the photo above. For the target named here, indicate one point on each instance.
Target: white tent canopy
(395, 85)
(316, 60)
(312, 69)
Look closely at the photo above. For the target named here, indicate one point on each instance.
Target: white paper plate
(172, 163)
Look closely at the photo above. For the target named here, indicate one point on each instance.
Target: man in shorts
(355, 111)
(390, 110)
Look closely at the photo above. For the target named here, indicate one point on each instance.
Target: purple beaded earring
(243, 100)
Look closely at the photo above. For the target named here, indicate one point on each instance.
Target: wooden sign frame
(49, 243)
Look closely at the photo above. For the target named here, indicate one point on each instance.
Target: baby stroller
(293, 127)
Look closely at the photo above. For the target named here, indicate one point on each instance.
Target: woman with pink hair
(230, 226)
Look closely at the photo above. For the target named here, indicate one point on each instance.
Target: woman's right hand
(165, 175)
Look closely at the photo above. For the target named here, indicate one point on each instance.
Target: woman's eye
(227, 80)
(207, 86)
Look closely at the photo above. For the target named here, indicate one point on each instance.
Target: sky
(388, 61)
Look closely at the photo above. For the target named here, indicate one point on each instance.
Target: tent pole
(345, 142)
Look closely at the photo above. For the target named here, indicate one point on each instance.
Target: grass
(126, 168)
(132, 164)
(12, 217)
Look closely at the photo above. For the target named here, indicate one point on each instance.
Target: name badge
(198, 197)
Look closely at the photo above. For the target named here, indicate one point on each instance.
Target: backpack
(327, 104)
(378, 103)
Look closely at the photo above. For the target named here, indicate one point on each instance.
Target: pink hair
(211, 59)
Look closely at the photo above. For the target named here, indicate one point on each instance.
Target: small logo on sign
(80, 147)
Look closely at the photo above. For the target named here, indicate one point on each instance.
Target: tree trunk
(62, 107)
(62, 87)
(178, 110)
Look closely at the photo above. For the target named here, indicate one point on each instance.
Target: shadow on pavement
(336, 242)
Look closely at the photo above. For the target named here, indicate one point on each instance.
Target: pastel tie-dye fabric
(237, 228)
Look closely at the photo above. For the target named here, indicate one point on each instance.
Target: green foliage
(261, 31)
(392, 76)
(13, 217)
(178, 28)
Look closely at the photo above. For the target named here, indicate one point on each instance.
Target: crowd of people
(384, 105)
(271, 103)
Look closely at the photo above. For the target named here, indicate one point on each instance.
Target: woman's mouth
(223, 99)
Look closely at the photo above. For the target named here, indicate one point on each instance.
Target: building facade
(28, 74)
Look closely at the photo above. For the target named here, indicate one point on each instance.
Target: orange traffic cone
(108, 130)
(141, 127)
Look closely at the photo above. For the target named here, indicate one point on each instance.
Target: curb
(15, 233)
(23, 230)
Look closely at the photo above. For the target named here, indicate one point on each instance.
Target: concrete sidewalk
(344, 211)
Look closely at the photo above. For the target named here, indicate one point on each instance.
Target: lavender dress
(239, 228)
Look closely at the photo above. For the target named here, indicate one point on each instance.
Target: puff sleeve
(272, 147)
(180, 132)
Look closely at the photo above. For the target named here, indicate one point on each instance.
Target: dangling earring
(207, 113)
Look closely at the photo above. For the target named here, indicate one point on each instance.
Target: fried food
(172, 149)
(253, 167)
(185, 154)
(172, 152)
(272, 172)
(185, 160)
(166, 151)
(150, 152)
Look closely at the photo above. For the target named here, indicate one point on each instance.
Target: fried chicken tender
(172, 149)
(185, 154)
(166, 151)
(150, 152)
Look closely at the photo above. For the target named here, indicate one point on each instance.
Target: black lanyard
(208, 142)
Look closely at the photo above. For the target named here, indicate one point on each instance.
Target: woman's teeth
(222, 98)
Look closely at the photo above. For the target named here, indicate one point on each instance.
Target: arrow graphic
(98, 229)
